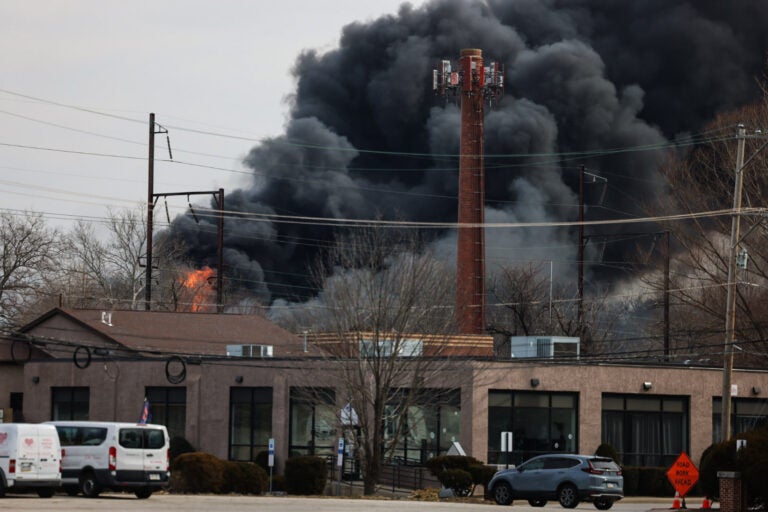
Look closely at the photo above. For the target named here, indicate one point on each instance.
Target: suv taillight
(592, 470)
(12, 466)
(112, 458)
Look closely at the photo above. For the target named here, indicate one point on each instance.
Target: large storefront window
(169, 408)
(70, 403)
(746, 414)
(313, 422)
(645, 430)
(429, 427)
(539, 422)
(250, 422)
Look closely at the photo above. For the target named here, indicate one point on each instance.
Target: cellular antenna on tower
(476, 85)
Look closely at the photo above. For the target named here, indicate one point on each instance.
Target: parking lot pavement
(235, 503)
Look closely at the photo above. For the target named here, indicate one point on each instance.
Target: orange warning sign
(683, 474)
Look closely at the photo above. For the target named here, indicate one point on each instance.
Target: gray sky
(216, 66)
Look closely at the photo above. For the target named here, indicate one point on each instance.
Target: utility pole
(730, 312)
(154, 129)
(580, 316)
(150, 212)
(666, 299)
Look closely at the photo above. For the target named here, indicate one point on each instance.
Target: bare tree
(522, 302)
(106, 270)
(388, 316)
(28, 256)
(702, 180)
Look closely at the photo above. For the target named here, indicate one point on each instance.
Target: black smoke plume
(367, 138)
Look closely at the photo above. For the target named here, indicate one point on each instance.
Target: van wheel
(143, 493)
(2, 487)
(89, 486)
(71, 490)
(45, 492)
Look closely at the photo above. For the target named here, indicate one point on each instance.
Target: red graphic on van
(3, 437)
(29, 441)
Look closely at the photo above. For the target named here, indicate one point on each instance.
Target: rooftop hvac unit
(546, 347)
(252, 351)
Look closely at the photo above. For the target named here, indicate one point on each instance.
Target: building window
(313, 421)
(746, 414)
(69, 403)
(169, 408)
(540, 423)
(645, 430)
(432, 422)
(250, 422)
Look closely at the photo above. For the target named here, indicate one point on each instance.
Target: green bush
(244, 478)
(197, 472)
(436, 465)
(278, 483)
(607, 450)
(631, 480)
(481, 475)
(458, 480)
(751, 462)
(305, 475)
(179, 445)
(262, 460)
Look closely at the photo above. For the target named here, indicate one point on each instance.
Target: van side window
(68, 436)
(130, 438)
(154, 439)
(91, 436)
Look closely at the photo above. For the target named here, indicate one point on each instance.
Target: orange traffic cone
(676, 501)
(706, 504)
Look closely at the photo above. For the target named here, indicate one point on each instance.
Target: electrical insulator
(742, 258)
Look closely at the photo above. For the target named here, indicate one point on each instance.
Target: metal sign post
(271, 460)
(506, 445)
(340, 463)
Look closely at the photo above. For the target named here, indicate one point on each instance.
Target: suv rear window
(604, 464)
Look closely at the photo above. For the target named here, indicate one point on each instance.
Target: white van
(30, 458)
(126, 457)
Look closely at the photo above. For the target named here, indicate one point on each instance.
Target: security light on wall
(239, 379)
(647, 385)
(35, 379)
(755, 390)
(535, 383)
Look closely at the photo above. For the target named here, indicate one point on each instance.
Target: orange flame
(198, 285)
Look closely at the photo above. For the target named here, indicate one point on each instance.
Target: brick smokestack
(470, 262)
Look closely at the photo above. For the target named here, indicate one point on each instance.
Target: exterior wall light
(647, 385)
(239, 379)
(35, 379)
(535, 383)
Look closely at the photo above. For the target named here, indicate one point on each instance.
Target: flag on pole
(146, 413)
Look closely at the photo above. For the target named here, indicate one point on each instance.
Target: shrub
(178, 446)
(481, 475)
(278, 483)
(436, 465)
(607, 450)
(197, 472)
(262, 460)
(305, 475)
(751, 462)
(244, 478)
(457, 480)
(631, 480)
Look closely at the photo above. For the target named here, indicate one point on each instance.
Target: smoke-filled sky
(367, 138)
(327, 111)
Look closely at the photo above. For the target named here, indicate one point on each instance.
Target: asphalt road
(232, 503)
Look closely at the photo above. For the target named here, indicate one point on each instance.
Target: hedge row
(460, 473)
(199, 472)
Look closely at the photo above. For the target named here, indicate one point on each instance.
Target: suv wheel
(502, 493)
(603, 504)
(537, 503)
(568, 496)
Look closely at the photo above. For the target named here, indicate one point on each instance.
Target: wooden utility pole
(150, 212)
